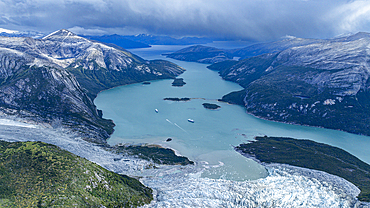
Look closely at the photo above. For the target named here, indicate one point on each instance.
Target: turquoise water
(210, 139)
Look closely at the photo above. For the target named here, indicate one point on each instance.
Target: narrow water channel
(209, 141)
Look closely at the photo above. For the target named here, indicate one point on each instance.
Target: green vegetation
(35, 174)
(177, 99)
(178, 82)
(155, 153)
(211, 106)
(312, 155)
(236, 97)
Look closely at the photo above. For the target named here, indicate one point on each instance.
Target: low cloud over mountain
(237, 19)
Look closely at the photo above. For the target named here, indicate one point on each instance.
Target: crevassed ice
(179, 186)
(286, 186)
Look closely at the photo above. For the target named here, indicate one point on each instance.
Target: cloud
(353, 16)
(83, 31)
(234, 19)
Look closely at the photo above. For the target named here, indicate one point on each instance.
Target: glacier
(285, 186)
(183, 186)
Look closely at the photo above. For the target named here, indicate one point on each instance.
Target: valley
(321, 83)
(196, 104)
(202, 166)
(210, 150)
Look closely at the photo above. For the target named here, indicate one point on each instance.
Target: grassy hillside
(312, 155)
(35, 174)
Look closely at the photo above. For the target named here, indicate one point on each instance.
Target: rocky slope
(53, 80)
(322, 84)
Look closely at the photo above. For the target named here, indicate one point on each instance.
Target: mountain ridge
(53, 80)
(119, 41)
(205, 54)
(324, 84)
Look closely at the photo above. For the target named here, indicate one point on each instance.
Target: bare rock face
(324, 83)
(54, 79)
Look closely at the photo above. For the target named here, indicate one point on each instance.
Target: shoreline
(295, 124)
(310, 155)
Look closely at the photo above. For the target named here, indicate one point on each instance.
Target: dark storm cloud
(254, 19)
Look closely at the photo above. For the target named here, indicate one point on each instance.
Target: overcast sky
(233, 19)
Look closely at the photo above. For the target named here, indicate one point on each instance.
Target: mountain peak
(60, 34)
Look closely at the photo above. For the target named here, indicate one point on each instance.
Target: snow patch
(329, 102)
(8, 122)
(51, 34)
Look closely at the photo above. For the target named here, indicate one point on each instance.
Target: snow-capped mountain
(54, 79)
(206, 54)
(321, 84)
(15, 33)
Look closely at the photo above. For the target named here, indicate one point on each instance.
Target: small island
(177, 99)
(154, 153)
(312, 155)
(178, 82)
(211, 106)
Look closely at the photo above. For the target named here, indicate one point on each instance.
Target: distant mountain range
(124, 41)
(32, 34)
(118, 40)
(167, 40)
(143, 40)
(53, 80)
(206, 54)
(302, 81)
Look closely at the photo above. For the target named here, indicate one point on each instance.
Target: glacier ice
(285, 186)
(183, 186)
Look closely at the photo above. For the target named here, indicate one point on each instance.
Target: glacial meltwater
(210, 139)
